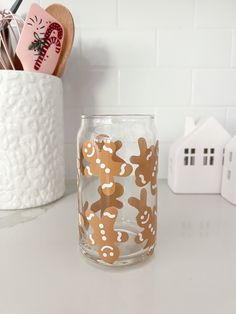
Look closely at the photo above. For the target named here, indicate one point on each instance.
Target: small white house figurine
(195, 160)
(228, 188)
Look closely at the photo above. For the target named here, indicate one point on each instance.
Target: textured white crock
(31, 139)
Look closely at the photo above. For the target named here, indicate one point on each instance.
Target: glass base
(130, 252)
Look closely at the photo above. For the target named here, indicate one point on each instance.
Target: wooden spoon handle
(64, 16)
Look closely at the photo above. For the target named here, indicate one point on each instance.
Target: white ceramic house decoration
(195, 160)
(228, 188)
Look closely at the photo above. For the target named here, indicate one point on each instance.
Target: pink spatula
(40, 43)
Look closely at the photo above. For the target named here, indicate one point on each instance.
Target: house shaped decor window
(228, 187)
(208, 156)
(189, 156)
(223, 158)
(196, 157)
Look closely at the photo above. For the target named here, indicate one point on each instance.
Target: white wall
(168, 57)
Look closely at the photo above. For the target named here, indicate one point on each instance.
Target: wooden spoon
(63, 15)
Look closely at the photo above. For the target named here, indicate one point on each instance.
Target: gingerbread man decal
(106, 201)
(146, 219)
(80, 165)
(147, 163)
(104, 235)
(83, 223)
(103, 162)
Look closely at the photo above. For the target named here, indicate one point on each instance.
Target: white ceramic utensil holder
(31, 139)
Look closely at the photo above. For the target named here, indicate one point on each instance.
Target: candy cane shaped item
(51, 28)
(48, 41)
(41, 41)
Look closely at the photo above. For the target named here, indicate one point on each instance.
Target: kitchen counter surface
(192, 272)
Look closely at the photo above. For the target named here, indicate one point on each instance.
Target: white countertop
(193, 270)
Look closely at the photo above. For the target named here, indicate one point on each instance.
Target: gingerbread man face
(146, 219)
(108, 200)
(147, 163)
(104, 235)
(104, 162)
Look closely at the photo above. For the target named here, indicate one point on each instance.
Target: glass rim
(127, 116)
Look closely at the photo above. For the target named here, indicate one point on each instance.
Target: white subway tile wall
(172, 58)
(195, 48)
(155, 87)
(155, 13)
(233, 59)
(214, 87)
(231, 119)
(215, 13)
(112, 48)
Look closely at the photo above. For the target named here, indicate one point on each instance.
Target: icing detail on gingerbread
(104, 235)
(141, 176)
(109, 253)
(107, 149)
(88, 171)
(119, 237)
(106, 247)
(109, 215)
(149, 155)
(104, 162)
(140, 236)
(122, 169)
(90, 216)
(92, 153)
(154, 186)
(106, 201)
(107, 185)
(147, 162)
(146, 219)
(91, 239)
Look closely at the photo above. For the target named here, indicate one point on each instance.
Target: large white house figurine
(228, 188)
(195, 160)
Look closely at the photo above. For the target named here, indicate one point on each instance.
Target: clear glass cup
(117, 187)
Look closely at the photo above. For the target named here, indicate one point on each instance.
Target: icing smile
(145, 221)
(92, 153)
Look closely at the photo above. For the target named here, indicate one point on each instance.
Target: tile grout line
(140, 28)
(169, 107)
(153, 66)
